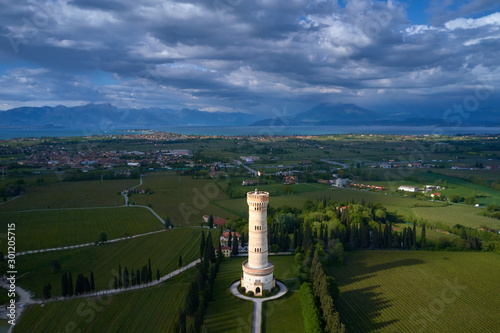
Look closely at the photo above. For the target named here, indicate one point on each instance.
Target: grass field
(163, 248)
(393, 203)
(226, 313)
(184, 199)
(230, 314)
(152, 309)
(408, 291)
(457, 214)
(71, 195)
(285, 313)
(55, 228)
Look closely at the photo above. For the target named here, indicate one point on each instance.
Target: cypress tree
(242, 239)
(120, 277)
(295, 238)
(150, 271)
(202, 244)
(133, 279)
(125, 277)
(211, 221)
(64, 284)
(230, 238)
(138, 276)
(86, 285)
(115, 285)
(414, 239)
(158, 274)
(180, 261)
(235, 246)
(423, 241)
(70, 285)
(92, 281)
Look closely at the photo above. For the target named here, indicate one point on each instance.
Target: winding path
(257, 303)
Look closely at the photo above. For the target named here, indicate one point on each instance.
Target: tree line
(189, 318)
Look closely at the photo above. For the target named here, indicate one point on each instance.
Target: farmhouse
(226, 251)
(218, 221)
(225, 236)
(407, 188)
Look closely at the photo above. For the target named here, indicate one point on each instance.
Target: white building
(341, 182)
(257, 270)
(407, 188)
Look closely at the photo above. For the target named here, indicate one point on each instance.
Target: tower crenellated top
(257, 196)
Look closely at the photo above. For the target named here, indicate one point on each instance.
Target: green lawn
(409, 291)
(457, 214)
(230, 314)
(226, 313)
(184, 199)
(147, 310)
(164, 249)
(71, 195)
(55, 228)
(285, 313)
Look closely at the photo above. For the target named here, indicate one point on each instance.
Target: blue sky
(397, 57)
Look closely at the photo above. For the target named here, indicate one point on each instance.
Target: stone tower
(257, 270)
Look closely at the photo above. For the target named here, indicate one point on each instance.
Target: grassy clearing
(55, 228)
(408, 291)
(457, 214)
(71, 195)
(163, 248)
(230, 314)
(285, 313)
(226, 313)
(184, 199)
(152, 309)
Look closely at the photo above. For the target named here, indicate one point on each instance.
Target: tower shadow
(360, 307)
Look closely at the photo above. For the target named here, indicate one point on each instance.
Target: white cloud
(492, 20)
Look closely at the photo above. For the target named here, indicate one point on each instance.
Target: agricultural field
(71, 195)
(424, 291)
(153, 309)
(184, 199)
(457, 214)
(164, 249)
(392, 203)
(45, 229)
(432, 236)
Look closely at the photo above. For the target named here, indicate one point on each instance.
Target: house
(291, 180)
(218, 221)
(407, 188)
(436, 195)
(250, 182)
(226, 251)
(225, 236)
(341, 182)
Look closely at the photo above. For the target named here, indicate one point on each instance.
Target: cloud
(247, 56)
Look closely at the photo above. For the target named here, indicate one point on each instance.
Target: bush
(266, 293)
(249, 293)
(241, 289)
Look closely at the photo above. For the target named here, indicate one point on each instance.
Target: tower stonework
(257, 270)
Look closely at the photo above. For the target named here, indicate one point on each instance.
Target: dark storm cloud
(243, 55)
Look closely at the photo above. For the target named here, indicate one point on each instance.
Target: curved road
(257, 303)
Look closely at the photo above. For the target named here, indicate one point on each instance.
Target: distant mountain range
(105, 116)
(351, 115)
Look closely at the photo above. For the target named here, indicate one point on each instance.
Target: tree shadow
(359, 308)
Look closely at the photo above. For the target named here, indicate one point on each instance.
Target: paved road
(343, 165)
(257, 303)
